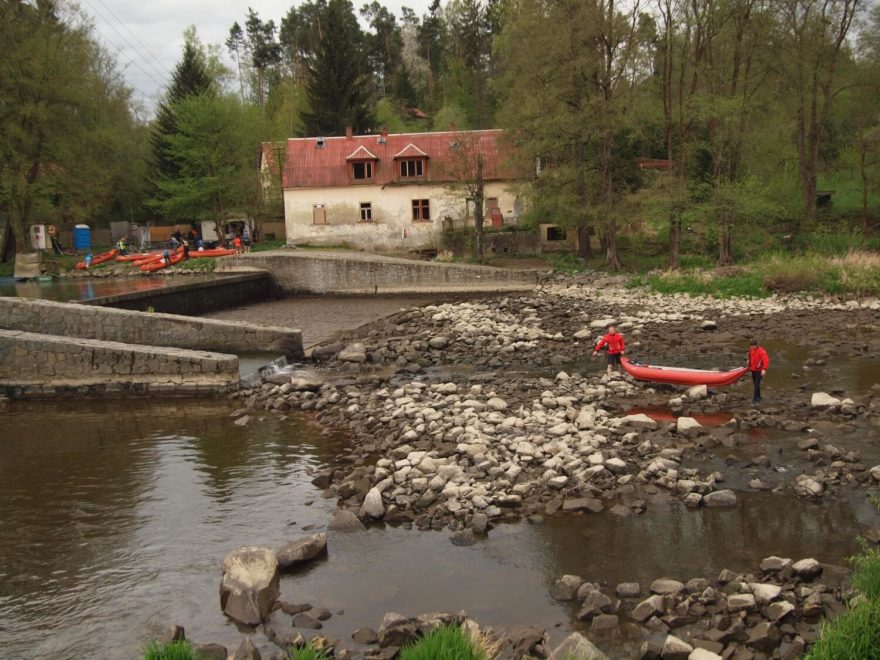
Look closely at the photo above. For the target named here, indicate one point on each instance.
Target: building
(392, 191)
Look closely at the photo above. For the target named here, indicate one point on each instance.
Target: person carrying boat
(758, 363)
(613, 340)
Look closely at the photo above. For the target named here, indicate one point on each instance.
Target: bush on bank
(171, 651)
(446, 643)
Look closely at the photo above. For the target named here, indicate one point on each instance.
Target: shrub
(446, 643)
(306, 653)
(171, 651)
(854, 634)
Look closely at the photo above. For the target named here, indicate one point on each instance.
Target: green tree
(265, 52)
(338, 76)
(215, 147)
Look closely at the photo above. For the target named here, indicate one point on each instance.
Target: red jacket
(758, 358)
(613, 342)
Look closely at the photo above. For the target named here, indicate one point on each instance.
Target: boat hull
(673, 376)
(99, 259)
(161, 263)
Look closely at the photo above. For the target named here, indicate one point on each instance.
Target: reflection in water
(115, 517)
(87, 289)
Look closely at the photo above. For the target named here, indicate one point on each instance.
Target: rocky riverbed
(468, 415)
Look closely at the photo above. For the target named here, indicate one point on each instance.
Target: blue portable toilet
(82, 237)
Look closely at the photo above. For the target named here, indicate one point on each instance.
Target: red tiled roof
(308, 166)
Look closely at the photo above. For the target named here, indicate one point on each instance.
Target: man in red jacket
(614, 341)
(758, 363)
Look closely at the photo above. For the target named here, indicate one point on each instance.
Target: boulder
(708, 325)
(675, 649)
(720, 498)
(779, 610)
(303, 380)
(740, 602)
(365, 636)
(703, 654)
(648, 608)
(596, 603)
(246, 651)
(302, 550)
(565, 588)
(583, 504)
(807, 568)
(666, 587)
(396, 630)
(345, 521)
(439, 342)
(497, 403)
(774, 564)
(697, 392)
(577, 646)
(765, 593)
(355, 352)
(822, 400)
(249, 585)
(304, 620)
(628, 590)
(601, 324)
(687, 426)
(373, 506)
(806, 486)
(638, 421)
(210, 651)
(764, 637)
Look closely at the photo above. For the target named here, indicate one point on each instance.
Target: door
(493, 211)
(319, 214)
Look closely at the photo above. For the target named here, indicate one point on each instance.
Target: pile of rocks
(774, 612)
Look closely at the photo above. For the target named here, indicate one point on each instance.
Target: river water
(115, 517)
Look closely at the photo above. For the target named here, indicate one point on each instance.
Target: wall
(392, 226)
(353, 272)
(44, 365)
(194, 298)
(100, 323)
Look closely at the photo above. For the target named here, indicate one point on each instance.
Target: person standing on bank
(758, 363)
(615, 345)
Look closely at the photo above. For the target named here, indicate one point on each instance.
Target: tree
(466, 172)
(264, 50)
(215, 148)
(383, 45)
(69, 141)
(338, 75)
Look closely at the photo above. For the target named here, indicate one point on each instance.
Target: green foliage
(446, 643)
(264, 246)
(741, 284)
(171, 651)
(449, 116)
(853, 634)
(306, 653)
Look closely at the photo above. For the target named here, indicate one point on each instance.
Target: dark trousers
(756, 383)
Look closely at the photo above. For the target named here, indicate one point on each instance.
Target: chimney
(348, 133)
(384, 132)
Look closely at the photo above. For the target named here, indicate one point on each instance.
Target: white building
(391, 191)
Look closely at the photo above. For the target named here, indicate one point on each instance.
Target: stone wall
(356, 273)
(42, 365)
(116, 325)
(193, 298)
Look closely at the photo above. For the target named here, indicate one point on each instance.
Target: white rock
(807, 568)
(697, 392)
(674, 647)
(373, 505)
(703, 654)
(686, 425)
(821, 400)
(720, 498)
(765, 593)
(497, 403)
(638, 421)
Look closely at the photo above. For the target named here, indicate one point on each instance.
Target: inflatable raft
(137, 257)
(159, 264)
(97, 259)
(216, 252)
(680, 375)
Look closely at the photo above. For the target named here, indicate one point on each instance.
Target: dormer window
(363, 164)
(362, 170)
(412, 167)
(412, 162)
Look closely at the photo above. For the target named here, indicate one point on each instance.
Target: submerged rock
(302, 550)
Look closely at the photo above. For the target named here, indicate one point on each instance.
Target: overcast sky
(147, 35)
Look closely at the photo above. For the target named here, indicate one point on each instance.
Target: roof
(362, 153)
(307, 166)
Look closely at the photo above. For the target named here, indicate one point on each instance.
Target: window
(362, 170)
(415, 167)
(555, 233)
(319, 214)
(366, 212)
(421, 210)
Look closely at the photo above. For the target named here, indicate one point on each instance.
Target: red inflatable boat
(137, 257)
(159, 264)
(216, 252)
(98, 259)
(681, 376)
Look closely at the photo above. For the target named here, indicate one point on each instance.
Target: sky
(147, 35)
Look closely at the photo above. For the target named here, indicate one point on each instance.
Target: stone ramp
(40, 365)
(344, 272)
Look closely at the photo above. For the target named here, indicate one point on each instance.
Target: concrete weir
(50, 348)
(343, 272)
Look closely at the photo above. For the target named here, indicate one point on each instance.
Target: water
(85, 288)
(116, 515)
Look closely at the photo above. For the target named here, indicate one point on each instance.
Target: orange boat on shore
(99, 259)
(160, 263)
(681, 375)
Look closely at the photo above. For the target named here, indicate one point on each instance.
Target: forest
(761, 117)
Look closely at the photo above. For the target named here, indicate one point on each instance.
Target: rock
(525, 639)
(210, 651)
(638, 421)
(764, 637)
(583, 504)
(687, 426)
(303, 620)
(353, 353)
(396, 630)
(303, 380)
(703, 654)
(365, 636)
(321, 613)
(480, 523)
(693, 500)
(666, 587)
(765, 593)
(875, 473)
(806, 486)
(720, 498)
(594, 604)
(675, 649)
(246, 651)
(496, 403)
(697, 392)
(779, 610)
(577, 646)
(708, 325)
(605, 622)
(463, 537)
(601, 324)
(822, 400)
(438, 343)
(244, 420)
(648, 608)
(249, 585)
(774, 564)
(807, 568)
(302, 550)
(345, 521)
(565, 588)
(373, 505)
(628, 590)
(740, 602)
(173, 633)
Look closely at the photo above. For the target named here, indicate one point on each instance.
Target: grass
(199, 265)
(268, 245)
(171, 651)
(306, 653)
(446, 643)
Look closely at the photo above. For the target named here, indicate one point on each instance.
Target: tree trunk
(584, 246)
(674, 241)
(479, 201)
(725, 239)
(866, 221)
(612, 259)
